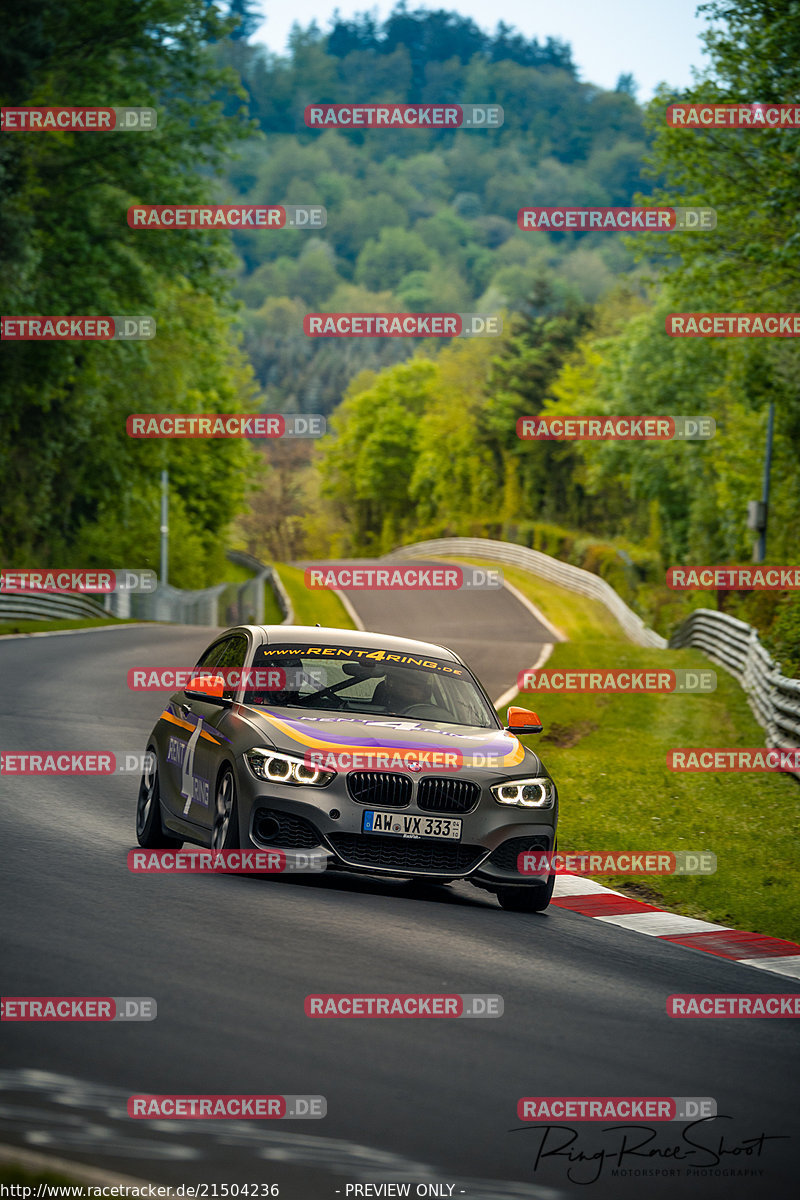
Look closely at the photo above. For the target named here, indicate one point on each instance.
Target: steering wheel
(428, 712)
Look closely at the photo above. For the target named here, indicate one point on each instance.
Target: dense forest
(418, 221)
(429, 447)
(423, 437)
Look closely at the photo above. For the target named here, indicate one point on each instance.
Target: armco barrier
(49, 607)
(264, 573)
(774, 698)
(222, 605)
(168, 603)
(564, 574)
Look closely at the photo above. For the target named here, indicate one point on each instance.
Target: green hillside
(418, 221)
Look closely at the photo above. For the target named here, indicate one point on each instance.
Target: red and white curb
(591, 899)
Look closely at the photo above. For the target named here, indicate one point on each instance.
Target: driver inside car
(290, 672)
(404, 689)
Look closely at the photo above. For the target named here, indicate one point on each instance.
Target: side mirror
(208, 688)
(522, 720)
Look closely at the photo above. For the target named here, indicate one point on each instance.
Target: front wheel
(149, 830)
(533, 898)
(225, 830)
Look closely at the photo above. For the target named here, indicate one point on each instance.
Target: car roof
(327, 635)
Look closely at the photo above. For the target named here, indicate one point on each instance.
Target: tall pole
(162, 575)
(762, 536)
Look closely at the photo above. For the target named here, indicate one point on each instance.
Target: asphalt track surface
(230, 959)
(490, 629)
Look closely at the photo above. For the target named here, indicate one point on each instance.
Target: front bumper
(329, 821)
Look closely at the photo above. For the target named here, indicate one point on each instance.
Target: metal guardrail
(264, 574)
(773, 698)
(576, 579)
(49, 607)
(222, 605)
(167, 603)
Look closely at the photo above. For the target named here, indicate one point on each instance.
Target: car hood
(486, 750)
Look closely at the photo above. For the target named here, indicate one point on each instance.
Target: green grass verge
(10, 1174)
(236, 573)
(312, 606)
(272, 610)
(47, 626)
(608, 757)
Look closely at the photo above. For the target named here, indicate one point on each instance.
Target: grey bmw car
(380, 754)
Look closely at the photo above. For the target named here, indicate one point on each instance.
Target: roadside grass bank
(237, 572)
(607, 754)
(272, 609)
(312, 606)
(49, 626)
(11, 1174)
(28, 1172)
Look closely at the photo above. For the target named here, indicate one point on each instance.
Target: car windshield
(364, 680)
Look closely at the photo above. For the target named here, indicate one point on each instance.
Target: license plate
(410, 826)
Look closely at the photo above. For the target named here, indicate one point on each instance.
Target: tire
(533, 898)
(149, 830)
(225, 826)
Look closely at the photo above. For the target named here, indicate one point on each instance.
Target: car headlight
(526, 793)
(285, 768)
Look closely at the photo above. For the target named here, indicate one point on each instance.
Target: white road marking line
(558, 634)
(787, 964)
(348, 608)
(576, 885)
(508, 696)
(660, 924)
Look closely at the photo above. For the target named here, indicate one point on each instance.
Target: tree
(754, 47)
(750, 261)
(367, 465)
(388, 259)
